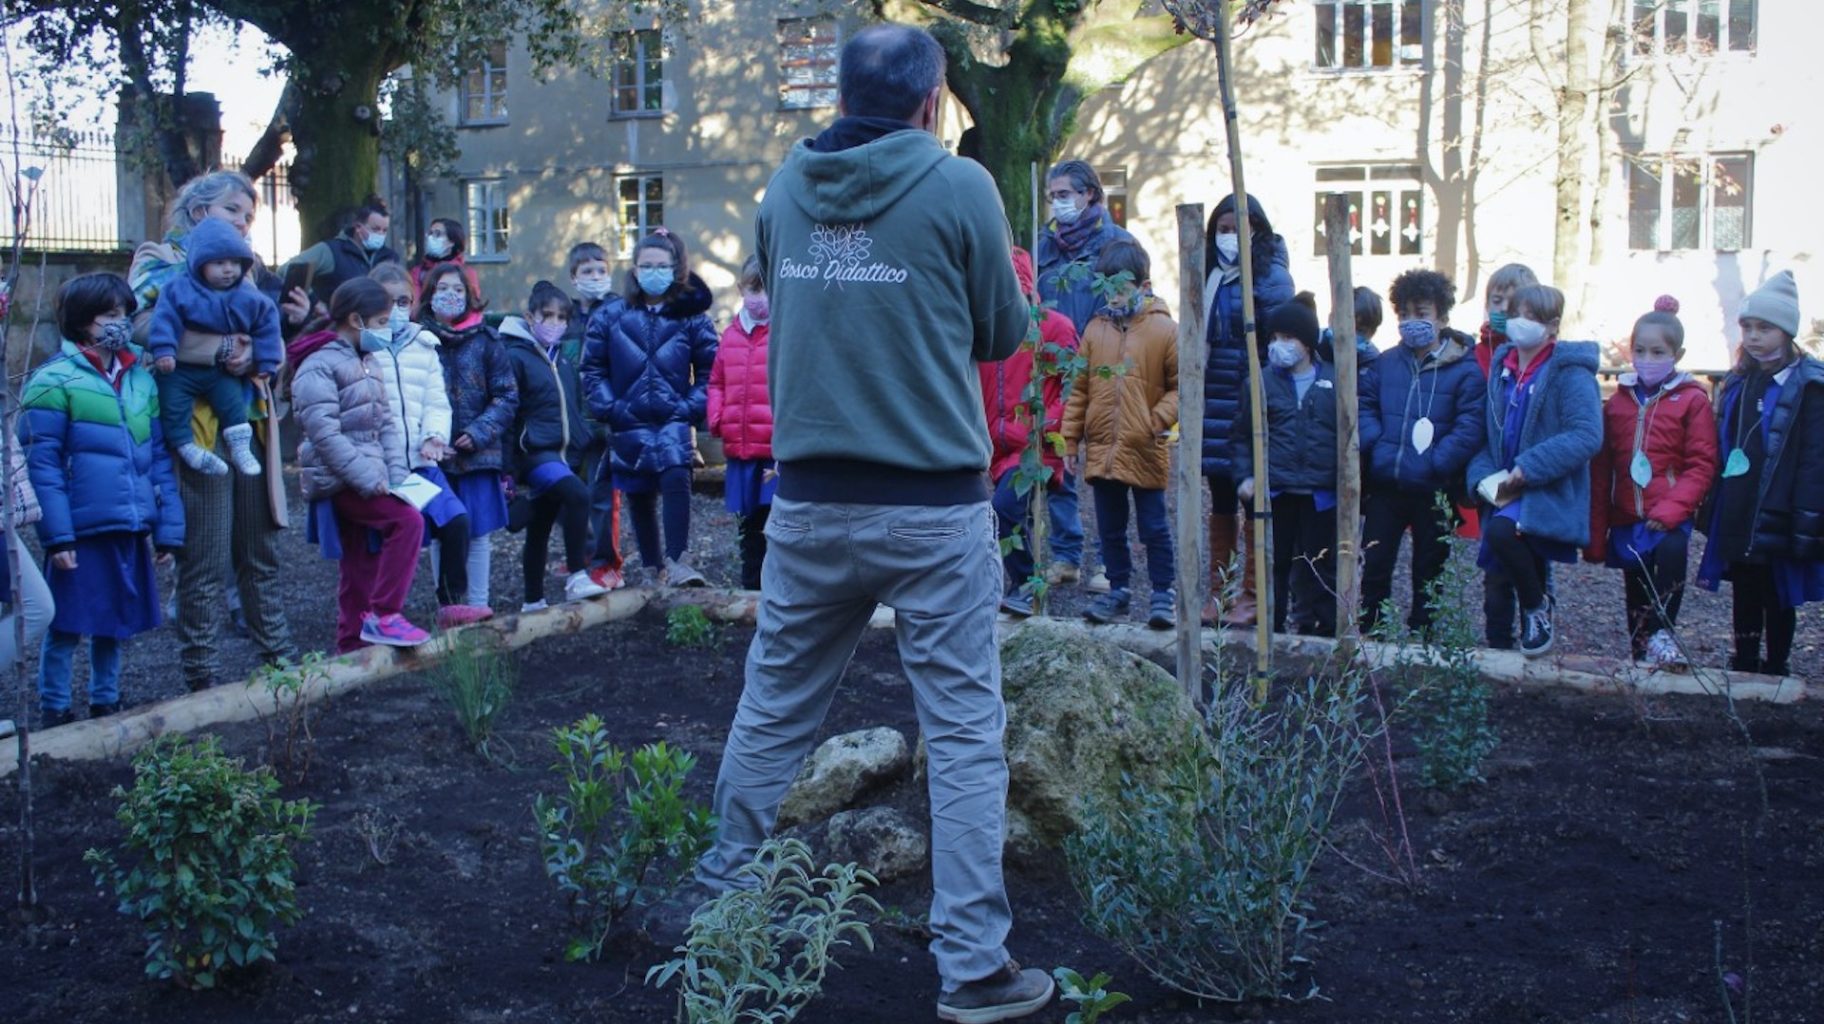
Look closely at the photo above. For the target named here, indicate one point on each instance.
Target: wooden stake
(1348, 437)
(1193, 578)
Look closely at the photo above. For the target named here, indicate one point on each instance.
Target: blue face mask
(374, 241)
(1497, 320)
(375, 340)
(654, 281)
(1418, 334)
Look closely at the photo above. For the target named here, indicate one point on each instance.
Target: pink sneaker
(450, 616)
(391, 631)
(608, 577)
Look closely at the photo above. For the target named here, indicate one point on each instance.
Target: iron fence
(77, 207)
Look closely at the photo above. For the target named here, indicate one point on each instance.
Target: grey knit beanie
(1776, 302)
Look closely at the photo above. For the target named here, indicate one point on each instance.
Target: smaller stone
(883, 841)
(841, 770)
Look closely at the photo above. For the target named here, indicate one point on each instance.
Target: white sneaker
(579, 586)
(1098, 583)
(534, 606)
(1663, 652)
(678, 573)
(202, 460)
(1061, 573)
(240, 448)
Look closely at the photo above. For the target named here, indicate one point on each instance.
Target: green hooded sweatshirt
(890, 271)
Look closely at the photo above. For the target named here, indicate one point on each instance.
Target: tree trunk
(1610, 74)
(338, 153)
(1573, 135)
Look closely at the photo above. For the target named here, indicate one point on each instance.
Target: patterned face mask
(115, 335)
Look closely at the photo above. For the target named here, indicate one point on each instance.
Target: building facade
(1441, 119)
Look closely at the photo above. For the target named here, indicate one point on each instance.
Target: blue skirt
(485, 497)
(444, 507)
(747, 486)
(112, 592)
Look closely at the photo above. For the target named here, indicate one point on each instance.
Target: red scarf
(123, 361)
(1512, 362)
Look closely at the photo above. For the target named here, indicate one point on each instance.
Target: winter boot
(1222, 552)
(1246, 610)
(240, 448)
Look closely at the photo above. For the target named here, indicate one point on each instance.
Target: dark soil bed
(1580, 884)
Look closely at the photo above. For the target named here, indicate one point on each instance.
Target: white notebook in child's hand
(1488, 488)
(416, 491)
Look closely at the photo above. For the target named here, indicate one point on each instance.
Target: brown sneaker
(1004, 995)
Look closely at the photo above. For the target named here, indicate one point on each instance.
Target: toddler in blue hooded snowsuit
(216, 296)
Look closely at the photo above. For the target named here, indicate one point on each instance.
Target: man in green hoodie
(889, 265)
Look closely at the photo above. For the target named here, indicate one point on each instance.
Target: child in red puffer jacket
(740, 414)
(1010, 428)
(1658, 459)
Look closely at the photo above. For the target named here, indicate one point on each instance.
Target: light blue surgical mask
(654, 281)
(375, 339)
(374, 241)
(399, 319)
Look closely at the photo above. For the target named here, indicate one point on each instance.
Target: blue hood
(212, 240)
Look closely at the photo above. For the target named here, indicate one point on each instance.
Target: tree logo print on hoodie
(839, 254)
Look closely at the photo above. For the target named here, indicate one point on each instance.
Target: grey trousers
(227, 524)
(939, 568)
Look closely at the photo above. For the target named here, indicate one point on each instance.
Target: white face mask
(1065, 211)
(1284, 354)
(592, 288)
(1228, 247)
(436, 246)
(1526, 334)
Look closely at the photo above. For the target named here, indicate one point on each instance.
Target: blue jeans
(54, 667)
(1066, 522)
(1155, 533)
(1013, 515)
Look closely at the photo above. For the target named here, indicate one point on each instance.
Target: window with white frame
(486, 203)
(641, 208)
(1680, 201)
(637, 80)
(808, 48)
(1369, 33)
(484, 89)
(1699, 28)
(1386, 208)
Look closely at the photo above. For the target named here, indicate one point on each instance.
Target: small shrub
(1092, 997)
(209, 850)
(621, 834)
(476, 680)
(1446, 696)
(289, 743)
(688, 626)
(1202, 882)
(760, 953)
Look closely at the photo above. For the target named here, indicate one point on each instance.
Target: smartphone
(298, 275)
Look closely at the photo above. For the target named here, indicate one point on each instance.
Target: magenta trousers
(373, 581)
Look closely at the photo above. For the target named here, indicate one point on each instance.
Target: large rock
(882, 840)
(841, 770)
(1082, 712)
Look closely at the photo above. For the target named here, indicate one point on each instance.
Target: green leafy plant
(1092, 997)
(289, 743)
(208, 859)
(621, 834)
(1202, 881)
(1446, 697)
(759, 951)
(476, 679)
(688, 626)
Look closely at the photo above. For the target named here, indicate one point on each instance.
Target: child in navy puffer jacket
(216, 296)
(646, 364)
(1421, 422)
